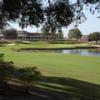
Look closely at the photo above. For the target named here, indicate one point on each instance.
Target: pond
(82, 51)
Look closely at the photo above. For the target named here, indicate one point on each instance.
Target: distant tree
(94, 37)
(74, 34)
(44, 30)
(60, 33)
(10, 34)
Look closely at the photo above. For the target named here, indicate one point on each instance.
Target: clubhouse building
(23, 35)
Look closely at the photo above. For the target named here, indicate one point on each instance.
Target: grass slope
(85, 68)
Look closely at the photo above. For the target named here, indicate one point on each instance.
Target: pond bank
(84, 51)
(67, 48)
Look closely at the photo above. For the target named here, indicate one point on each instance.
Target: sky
(92, 24)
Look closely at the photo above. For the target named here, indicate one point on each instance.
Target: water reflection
(88, 52)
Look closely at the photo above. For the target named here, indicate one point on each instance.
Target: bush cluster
(9, 71)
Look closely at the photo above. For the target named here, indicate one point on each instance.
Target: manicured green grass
(44, 44)
(86, 68)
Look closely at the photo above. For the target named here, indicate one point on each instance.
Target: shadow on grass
(52, 88)
(71, 88)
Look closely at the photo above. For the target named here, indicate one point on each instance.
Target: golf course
(55, 64)
(70, 76)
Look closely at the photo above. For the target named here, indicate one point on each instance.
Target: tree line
(77, 34)
(74, 34)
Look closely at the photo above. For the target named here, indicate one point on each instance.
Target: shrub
(8, 71)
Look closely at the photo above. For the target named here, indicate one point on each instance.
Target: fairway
(86, 68)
